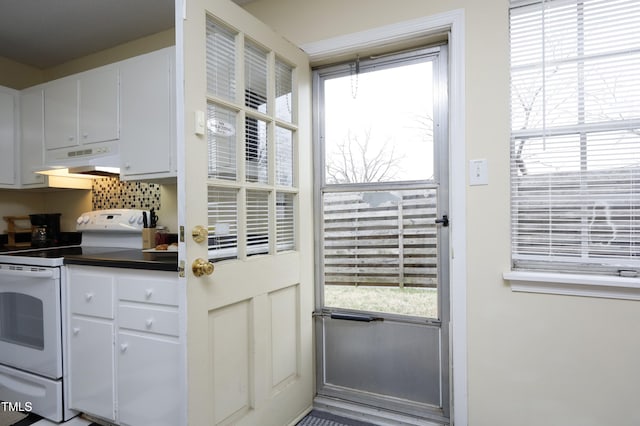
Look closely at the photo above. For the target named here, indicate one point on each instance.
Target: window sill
(574, 285)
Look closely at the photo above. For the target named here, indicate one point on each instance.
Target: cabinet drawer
(92, 295)
(159, 290)
(151, 320)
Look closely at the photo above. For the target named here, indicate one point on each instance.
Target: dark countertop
(131, 259)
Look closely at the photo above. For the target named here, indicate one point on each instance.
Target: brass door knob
(199, 234)
(201, 267)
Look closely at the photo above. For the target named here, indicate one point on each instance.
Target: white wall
(532, 359)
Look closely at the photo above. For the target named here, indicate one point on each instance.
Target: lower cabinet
(148, 381)
(92, 376)
(126, 370)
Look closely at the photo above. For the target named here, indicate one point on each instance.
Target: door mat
(322, 418)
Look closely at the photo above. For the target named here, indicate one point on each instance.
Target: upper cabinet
(148, 134)
(79, 110)
(8, 136)
(32, 137)
(125, 110)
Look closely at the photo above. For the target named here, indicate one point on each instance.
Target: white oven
(31, 338)
(30, 320)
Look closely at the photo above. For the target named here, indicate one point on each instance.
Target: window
(575, 136)
(252, 142)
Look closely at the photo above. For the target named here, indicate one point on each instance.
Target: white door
(245, 177)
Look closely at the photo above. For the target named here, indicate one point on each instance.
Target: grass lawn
(413, 301)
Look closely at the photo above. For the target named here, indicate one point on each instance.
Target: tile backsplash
(112, 193)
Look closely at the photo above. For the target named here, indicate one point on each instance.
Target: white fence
(381, 238)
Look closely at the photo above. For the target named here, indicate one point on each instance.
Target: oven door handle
(26, 273)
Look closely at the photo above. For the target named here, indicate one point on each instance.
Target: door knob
(199, 234)
(201, 267)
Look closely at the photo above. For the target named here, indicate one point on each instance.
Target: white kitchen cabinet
(8, 136)
(91, 331)
(91, 376)
(149, 345)
(133, 378)
(82, 109)
(32, 137)
(148, 380)
(148, 134)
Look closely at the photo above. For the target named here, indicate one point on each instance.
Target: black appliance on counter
(45, 229)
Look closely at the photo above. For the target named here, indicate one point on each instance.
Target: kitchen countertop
(131, 259)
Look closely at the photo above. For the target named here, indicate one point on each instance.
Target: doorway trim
(453, 22)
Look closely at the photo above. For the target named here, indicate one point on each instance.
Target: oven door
(30, 319)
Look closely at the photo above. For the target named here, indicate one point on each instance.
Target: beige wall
(70, 203)
(532, 359)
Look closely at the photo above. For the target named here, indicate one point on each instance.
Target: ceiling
(46, 33)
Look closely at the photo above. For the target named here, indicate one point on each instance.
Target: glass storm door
(244, 200)
(382, 312)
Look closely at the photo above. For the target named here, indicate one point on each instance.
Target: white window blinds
(575, 135)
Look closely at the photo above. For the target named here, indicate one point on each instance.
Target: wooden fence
(383, 238)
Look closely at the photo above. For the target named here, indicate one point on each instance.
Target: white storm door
(245, 176)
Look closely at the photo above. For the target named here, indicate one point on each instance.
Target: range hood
(83, 162)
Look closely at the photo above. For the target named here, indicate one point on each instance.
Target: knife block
(148, 238)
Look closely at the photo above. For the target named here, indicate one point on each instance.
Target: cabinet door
(7, 138)
(61, 113)
(32, 142)
(91, 367)
(146, 143)
(148, 381)
(98, 108)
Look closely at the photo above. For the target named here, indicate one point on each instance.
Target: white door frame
(453, 22)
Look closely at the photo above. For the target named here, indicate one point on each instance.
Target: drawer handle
(88, 297)
(149, 323)
(76, 330)
(123, 347)
(148, 293)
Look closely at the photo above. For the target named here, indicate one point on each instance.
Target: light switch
(199, 123)
(478, 172)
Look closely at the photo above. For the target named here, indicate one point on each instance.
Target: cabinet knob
(71, 138)
(76, 330)
(85, 135)
(148, 293)
(88, 297)
(149, 323)
(123, 347)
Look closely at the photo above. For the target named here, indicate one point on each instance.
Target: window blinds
(575, 135)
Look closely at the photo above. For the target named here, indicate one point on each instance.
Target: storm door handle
(444, 221)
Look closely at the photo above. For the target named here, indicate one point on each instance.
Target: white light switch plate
(478, 172)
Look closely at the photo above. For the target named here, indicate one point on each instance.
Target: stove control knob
(83, 220)
(140, 220)
(132, 219)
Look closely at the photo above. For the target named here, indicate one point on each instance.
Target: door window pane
(380, 251)
(221, 66)
(221, 140)
(379, 125)
(284, 157)
(284, 90)
(223, 223)
(285, 223)
(257, 222)
(256, 151)
(255, 77)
